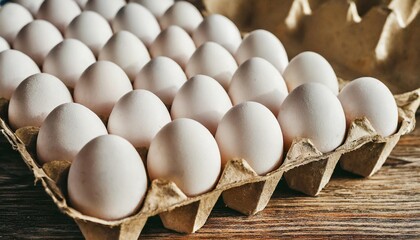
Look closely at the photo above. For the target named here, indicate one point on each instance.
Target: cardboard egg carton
(374, 38)
(305, 169)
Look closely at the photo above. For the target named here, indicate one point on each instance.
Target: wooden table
(386, 205)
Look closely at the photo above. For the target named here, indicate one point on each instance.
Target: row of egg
(183, 150)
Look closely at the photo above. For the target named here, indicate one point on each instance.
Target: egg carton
(305, 169)
(361, 37)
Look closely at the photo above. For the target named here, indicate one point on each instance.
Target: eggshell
(138, 116)
(107, 179)
(136, 19)
(31, 5)
(174, 43)
(263, 44)
(68, 60)
(182, 14)
(309, 67)
(12, 19)
(12, 74)
(58, 12)
(36, 39)
(101, 85)
(203, 99)
(220, 29)
(81, 3)
(127, 51)
(65, 131)
(157, 8)
(368, 97)
(90, 28)
(258, 80)
(163, 77)
(106, 8)
(35, 98)
(212, 60)
(4, 45)
(250, 131)
(313, 111)
(185, 152)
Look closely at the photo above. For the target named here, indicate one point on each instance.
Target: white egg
(81, 3)
(310, 67)
(220, 29)
(174, 43)
(136, 19)
(370, 98)
(12, 74)
(4, 45)
(106, 8)
(212, 60)
(312, 111)
(263, 44)
(258, 80)
(101, 85)
(36, 39)
(251, 132)
(90, 28)
(68, 60)
(59, 12)
(185, 152)
(13, 17)
(107, 179)
(65, 131)
(158, 8)
(182, 14)
(203, 99)
(31, 5)
(163, 77)
(127, 51)
(35, 98)
(138, 116)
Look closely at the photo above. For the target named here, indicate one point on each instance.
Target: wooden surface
(386, 205)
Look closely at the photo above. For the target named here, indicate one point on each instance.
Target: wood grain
(386, 205)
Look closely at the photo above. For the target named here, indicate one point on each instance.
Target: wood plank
(386, 205)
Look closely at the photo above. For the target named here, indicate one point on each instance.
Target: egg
(220, 29)
(136, 19)
(157, 8)
(68, 60)
(36, 39)
(81, 3)
(58, 12)
(182, 14)
(100, 86)
(263, 44)
(4, 45)
(312, 111)
(163, 77)
(90, 28)
(203, 99)
(35, 98)
(251, 132)
(368, 97)
(186, 153)
(127, 51)
(106, 8)
(212, 60)
(31, 5)
(309, 67)
(258, 80)
(174, 43)
(138, 116)
(65, 131)
(12, 74)
(13, 17)
(107, 179)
